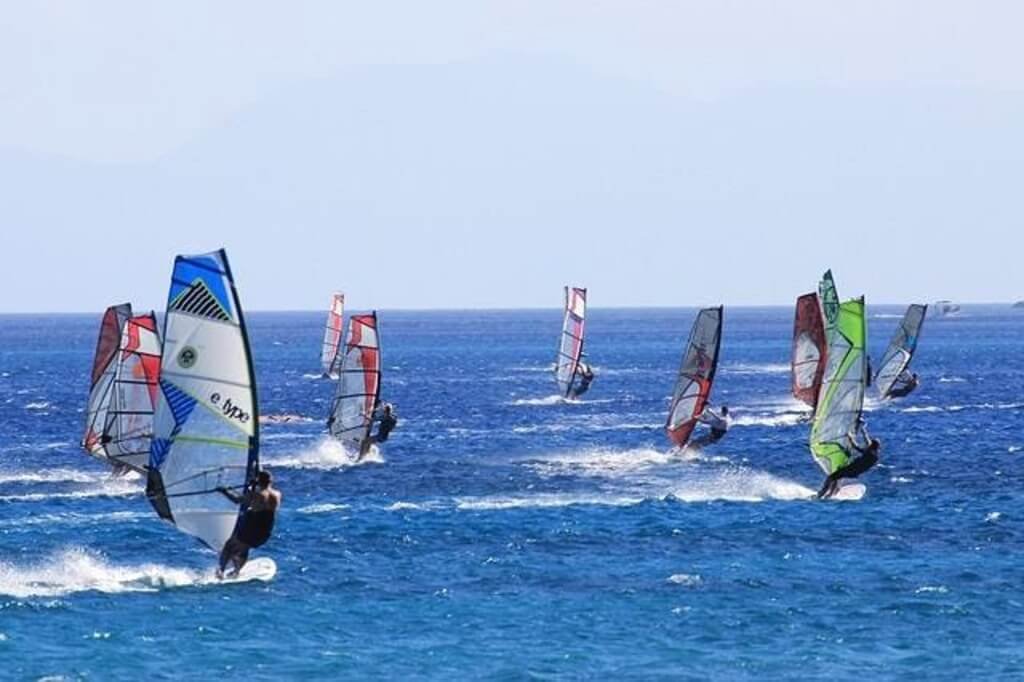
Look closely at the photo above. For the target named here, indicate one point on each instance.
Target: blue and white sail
(206, 426)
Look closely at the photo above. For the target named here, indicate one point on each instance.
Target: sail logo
(229, 409)
(187, 357)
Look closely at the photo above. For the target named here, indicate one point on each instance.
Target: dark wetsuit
(583, 386)
(868, 458)
(387, 425)
(255, 527)
(903, 390)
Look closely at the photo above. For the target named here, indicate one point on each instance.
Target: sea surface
(505, 534)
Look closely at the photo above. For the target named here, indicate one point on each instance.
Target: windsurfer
(868, 458)
(386, 420)
(718, 426)
(586, 375)
(254, 525)
(904, 385)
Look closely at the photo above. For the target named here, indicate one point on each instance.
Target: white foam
(327, 453)
(52, 476)
(736, 485)
(685, 579)
(936, 589)
(111, 487)
(549, 400)
(39, 405)
(75, 519)
(1014, 448)
(952, 380)
(602, 462)
(313, 376)
(785, 419)
(79, 570)
(543, 501)
(325, 508)
(992, 517)
(756, 368)
(284, 419)
(412, 506)
(534, 368)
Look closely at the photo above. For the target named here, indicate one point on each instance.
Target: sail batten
(570, 347)
(696, 375)
(901, 349)
(206, 424)
(358, 389)
(841, 396)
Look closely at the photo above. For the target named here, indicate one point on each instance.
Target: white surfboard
(850, 492)
(262, 569)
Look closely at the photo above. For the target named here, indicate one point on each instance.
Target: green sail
(841, 399)
(829, 302)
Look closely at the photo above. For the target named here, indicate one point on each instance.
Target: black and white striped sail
(331, 350)
(206, 432)
(358, 388)
(901, 349)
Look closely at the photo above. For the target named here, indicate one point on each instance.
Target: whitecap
(76, 569)
(323, 508)
(685, 579)
(326, 453)
(543, 501)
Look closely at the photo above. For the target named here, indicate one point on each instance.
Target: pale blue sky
(473, 154)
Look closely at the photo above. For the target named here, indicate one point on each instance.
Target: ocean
(505, 534)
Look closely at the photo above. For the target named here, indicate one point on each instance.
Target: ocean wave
(38, 405)
(601, 462)
(685, 579)
(110, 487)
(558, 400)
(543, 501)
(783, 419)
(53, 476)
(961, 408)
(533, 368)
(757, 368)
(413, 506)
(75, 519)
(737, 485)
(76, 569)
(326, 453)
(285, 419)
(952, 380)
(324, 508)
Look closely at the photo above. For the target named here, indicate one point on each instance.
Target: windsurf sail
(901, 349)
(206, 424)
(332, 335)
(696, 375)
(570, 349)
(120, 432)
(841, 398)
(829, 298)
(810, 349)
(101, 386)
(358, 389)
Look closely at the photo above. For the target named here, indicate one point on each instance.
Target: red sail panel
(810, 349)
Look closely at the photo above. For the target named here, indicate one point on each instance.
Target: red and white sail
(333, 334)
(358, 389)
(696, 375)
(810, 349)
(570, 348)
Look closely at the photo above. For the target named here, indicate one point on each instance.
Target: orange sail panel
(810, 349)
(696, 375)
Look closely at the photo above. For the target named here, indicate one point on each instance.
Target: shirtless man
(255, 524)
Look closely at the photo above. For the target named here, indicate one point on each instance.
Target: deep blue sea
(504, 534)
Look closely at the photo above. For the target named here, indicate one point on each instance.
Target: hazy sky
(449, 154)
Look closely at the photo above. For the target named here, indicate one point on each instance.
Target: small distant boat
(841, 397)
(206, 425)
(945, 308)
(810, 350)
(333, 335)
(359, 378)
(1019, 304)
(123, 391)
(901, 349)
(570, 348)
(696, 376)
